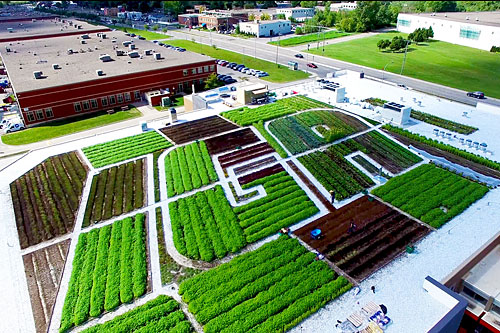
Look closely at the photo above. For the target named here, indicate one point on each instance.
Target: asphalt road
(262, 50)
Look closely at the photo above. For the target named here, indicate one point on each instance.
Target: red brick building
(68, 76)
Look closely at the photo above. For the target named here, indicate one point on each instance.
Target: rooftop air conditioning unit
(158, 56)
(79, 26)
(7, 49)
(133, 54)
(38, 74)
(120, 52)
(105, 57)
(148, 52)
(99, 72)
(126, 43)
(86, 36)
(103, 36)
(131, 46)
(56, 66)
(83, 42)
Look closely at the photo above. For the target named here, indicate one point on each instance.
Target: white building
(395, 113)
(338, 6)
(480, 30)
(266, 28)
(298, 13)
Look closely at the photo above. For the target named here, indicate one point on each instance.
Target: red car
(312, 65)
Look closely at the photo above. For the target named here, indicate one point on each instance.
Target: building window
(31, 116)
(112, 100)
(137, 95)
(179, 87)
(86, 105)
(104, 101)
(49, 113)
(469, 33)
(193, 71)
(185, 72)
(39, 114)
(205, 69)
(404, 23)
(200, 70)
(127, 97)
(212, 68)
(201, 81)
(119, 98)
(77, 106)
(93, 103)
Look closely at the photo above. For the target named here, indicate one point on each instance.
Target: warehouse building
(27, 28)
(62, 77)
(480, 30)
(297, 13)
(266, 28)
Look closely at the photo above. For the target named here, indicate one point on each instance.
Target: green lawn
(149, 35)
(278, 74)
(435, 61)
(67, 126)
(179, 101)
(310, 38)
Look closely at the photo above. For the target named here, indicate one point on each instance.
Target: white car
(13, 127)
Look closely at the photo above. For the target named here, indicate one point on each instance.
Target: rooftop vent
(99, 72)
(83, 42)
(120, 52)
(477, 18)
(70, 51)
(38, 74)
(56, 66)
(86, 36)
(158, 56)
(103, 36)
(131, 46)
(467, 18)
(133, 54)
(105, 57)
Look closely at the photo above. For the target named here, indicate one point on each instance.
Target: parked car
(298, 55)
(229, 81)
(224, 63)
(239, 67)
(225, 95)
(312, 65)
(223, 77)
(155, 41)
(141, 38)
(161, 44)
(476, 94)
(13, 127)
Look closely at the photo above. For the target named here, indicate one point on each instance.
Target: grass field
(67, 126)
(314, 37)
(149, 35)
(179, 101)
(435, 61)
(277, 74)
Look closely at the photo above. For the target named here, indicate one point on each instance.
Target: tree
(397, 43)
(383, 44)
(308, 4)
(146, 27)
(429, 33)
(251, 17)
(298, 31)
(281, 17)
(171, 7)
(237, 30)
(211, 82)
(265, 17)
(155, 27)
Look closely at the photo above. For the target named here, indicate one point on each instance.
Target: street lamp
(390, 62)
(277, 47)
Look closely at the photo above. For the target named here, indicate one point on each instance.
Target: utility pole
(277, 47)
(255, 48)
(404, 59)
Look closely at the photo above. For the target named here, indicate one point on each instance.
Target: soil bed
(230, 141)
(44, 270)
(246, 154)
(381, 234)
(197, 129)
(260, 174)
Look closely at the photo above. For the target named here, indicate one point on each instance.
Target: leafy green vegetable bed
(109, 269)
(431, 194)
(271, 289)
(123, 149)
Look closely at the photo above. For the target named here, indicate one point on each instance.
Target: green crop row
(189, 167)
(123, 149)
(204, 226)
(282, 107)
(260, 127)
(296, 132)
(335, 173)
(273, 287)
(162, 314)
(445, 147)
(109, 269)
(431, 194)
(443, 123)
(115, 191)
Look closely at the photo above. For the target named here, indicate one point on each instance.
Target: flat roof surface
(485, 18)
(485, 276)
(266, 22)
(44, 27)
(40, 54)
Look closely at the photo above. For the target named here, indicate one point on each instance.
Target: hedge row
(162, 314)
(431, 194)
(270, 289)
(109, 268)
(189, 167)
